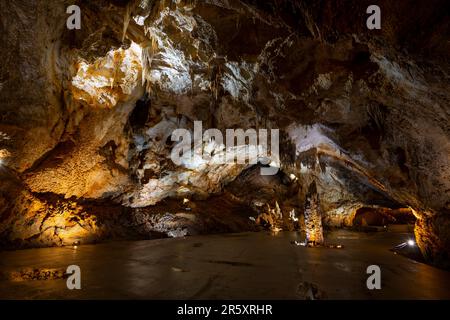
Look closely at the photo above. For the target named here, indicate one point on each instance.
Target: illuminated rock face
(313, 217)
(87, 117)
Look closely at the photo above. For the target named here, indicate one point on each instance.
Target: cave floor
(229, 266)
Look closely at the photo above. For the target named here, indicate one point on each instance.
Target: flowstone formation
(87, 117)
(313, 217)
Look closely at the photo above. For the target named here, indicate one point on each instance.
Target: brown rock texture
(86, 116)
(313, 217)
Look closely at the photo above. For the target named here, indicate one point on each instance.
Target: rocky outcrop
(87, 115)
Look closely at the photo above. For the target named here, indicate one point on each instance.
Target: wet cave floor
(256, 265)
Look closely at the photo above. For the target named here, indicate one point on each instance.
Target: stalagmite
(313, 217)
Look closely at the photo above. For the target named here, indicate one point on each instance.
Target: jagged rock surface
(86, 115)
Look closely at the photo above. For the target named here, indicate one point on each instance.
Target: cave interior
(360, 175)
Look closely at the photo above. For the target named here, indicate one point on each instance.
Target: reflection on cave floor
(238, 266)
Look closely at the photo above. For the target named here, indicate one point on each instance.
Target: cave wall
(86, 115)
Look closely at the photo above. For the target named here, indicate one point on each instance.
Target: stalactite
(131, 10)
(127, 17)
(148, 50)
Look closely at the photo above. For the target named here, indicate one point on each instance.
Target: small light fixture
(299, 243)
(411, 242)
(75, 244)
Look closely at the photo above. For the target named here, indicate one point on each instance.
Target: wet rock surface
(230, 266)
(28, 274)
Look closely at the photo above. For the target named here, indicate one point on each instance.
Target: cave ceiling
(87, 115)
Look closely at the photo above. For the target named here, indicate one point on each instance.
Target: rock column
(313, 217)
